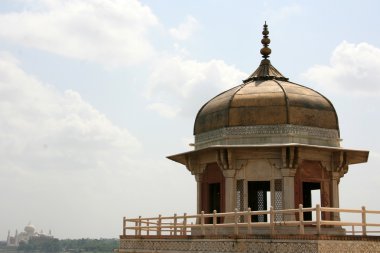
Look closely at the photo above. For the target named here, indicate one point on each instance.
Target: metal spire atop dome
(265, 71)
(265, 51)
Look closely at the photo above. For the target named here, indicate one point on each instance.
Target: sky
(94, 94)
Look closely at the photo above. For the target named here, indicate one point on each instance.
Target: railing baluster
(318, 215)
(236, 222)
(159, 225)
(139, 227)
(184, 229)
(175, 224)
(124, 225)
(271, 220)
(214, 221)
(364, 221)
(249, 220)
(148, 228)
(203, 222)
(300, 214)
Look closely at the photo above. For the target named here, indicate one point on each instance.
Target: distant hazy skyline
(94, 94)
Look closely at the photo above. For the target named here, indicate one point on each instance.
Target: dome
(266, 102)
(267, 109)
(29, 229)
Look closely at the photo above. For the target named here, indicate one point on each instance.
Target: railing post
(364, 221)
(271, 220)
(300, 214)
(147, 224)
(318, 216)
(139, 226)
(214, 221)
(184, 232)
(175, 224)
(136, 226)
(236, 222)
(249, 220)
(203, 222)
(159, 225)
(124, 225)
(353, 230)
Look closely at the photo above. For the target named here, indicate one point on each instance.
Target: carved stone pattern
(223, 245)
(267, 130)
(180, 245)
(278, 203)
(348, 246)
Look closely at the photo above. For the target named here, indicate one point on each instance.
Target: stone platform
(254, 243)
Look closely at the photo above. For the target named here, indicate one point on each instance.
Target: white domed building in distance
(29, 232)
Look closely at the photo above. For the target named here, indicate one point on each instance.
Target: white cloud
(40, 123)
(62, 161)
(187, 84)
(109, 32)
(164, 109)
(186, 29)
(354, 69)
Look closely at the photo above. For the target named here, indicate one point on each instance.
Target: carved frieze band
(283, 246)
(216, 246)
(267, 130)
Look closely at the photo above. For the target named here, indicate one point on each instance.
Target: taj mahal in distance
(29, 232)
(263, 151)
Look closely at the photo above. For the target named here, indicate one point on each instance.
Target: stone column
(288, 190)
(229, 192)
(335, 177)
(198, 178)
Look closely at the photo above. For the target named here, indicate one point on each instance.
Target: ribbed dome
(267, 109)
(266, 102)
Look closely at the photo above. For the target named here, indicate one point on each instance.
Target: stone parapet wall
(280, 244)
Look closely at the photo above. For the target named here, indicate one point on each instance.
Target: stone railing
(290, 221)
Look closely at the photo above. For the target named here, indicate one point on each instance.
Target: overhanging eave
(353, 156)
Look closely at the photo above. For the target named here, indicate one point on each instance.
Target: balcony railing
(241, 223)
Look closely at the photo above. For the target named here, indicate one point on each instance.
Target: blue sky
(95, 93)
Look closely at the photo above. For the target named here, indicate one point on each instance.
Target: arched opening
(213, 187)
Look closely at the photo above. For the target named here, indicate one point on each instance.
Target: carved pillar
(225, 162)
(230, 190)
(198, 178)
(340, 167)
(335, 177)
(230, 193)
(288, 190)
(289, 158)
(197, 169)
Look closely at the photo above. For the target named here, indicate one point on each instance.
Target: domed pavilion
(267, 161)
(268, 142)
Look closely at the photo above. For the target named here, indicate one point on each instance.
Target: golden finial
(265, 71)
(265, 51)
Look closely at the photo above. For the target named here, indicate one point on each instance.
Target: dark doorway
(214, 199)
(257, 198)
(307, 188)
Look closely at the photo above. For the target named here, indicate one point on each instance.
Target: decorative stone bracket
(289, 157)
(340, 163)
(193, 165)
(224, 159)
